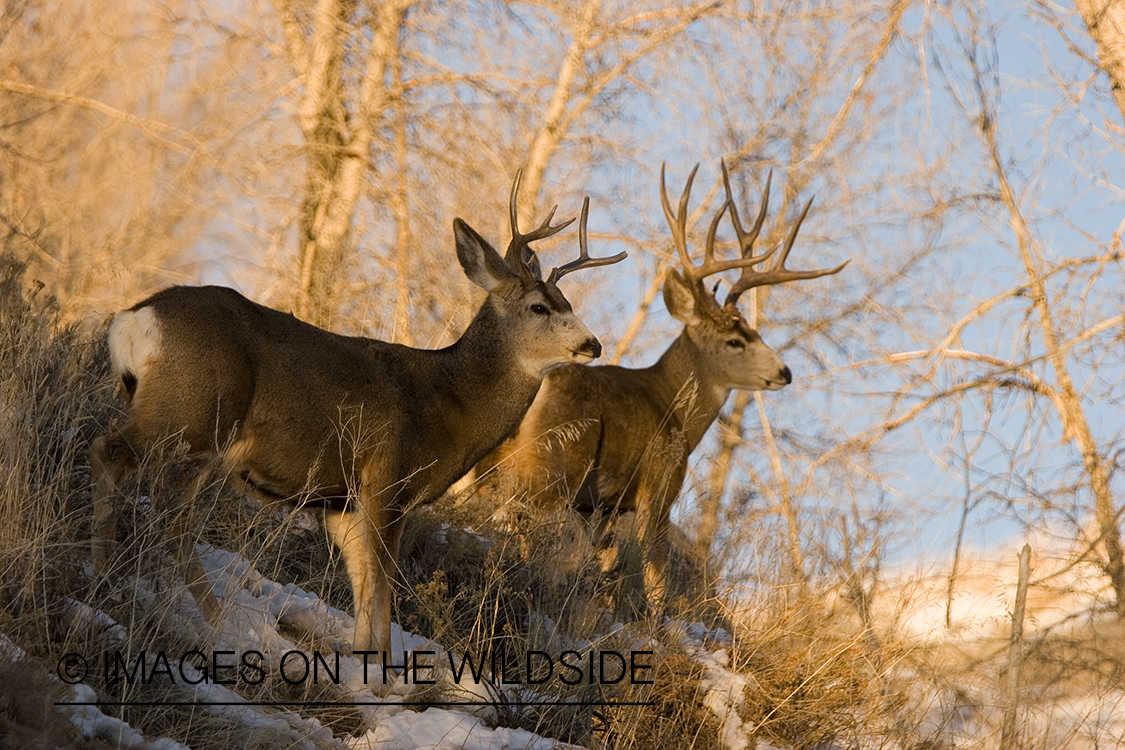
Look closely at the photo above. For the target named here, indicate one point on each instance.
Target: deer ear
(482, 264)
(532, 259)
(680, 299)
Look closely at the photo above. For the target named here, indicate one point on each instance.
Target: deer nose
(786, 375)
(590, 346)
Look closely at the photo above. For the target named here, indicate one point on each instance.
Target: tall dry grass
(54, 396)
(467, 582)
(809, 672)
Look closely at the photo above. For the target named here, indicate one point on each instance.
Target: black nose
(786, 375)
(592, 347)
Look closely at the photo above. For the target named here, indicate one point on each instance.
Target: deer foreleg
(656, 530)
(632, 604)
(386, 545)
(349, 532)
(643, 556)
(369, 546)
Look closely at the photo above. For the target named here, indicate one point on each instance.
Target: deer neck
(482, 373)
(683, 382)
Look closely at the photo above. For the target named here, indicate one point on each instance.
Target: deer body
(367, 428)
(609, 441)
(614, 438)
(350, 404)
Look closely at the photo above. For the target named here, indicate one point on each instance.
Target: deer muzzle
(782, 378)
(588, 350)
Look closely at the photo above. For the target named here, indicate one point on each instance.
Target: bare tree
(89, 152)
(1053, 318)
(1106, 21)
(339, 112)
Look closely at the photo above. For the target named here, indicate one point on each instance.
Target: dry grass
(812, 676)
(53, 399)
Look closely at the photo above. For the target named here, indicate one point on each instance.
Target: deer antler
(778, 273)
(584, 259)
(515, 255)
(678, 223)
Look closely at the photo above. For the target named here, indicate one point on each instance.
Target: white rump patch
(134, 341)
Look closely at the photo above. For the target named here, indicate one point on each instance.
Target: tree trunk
(1106, 21)
(338, 127)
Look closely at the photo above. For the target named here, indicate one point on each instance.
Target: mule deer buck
(611, 440)
(367, 428)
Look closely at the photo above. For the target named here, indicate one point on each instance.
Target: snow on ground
(979, 612)
(436, 729)
(723, 689)
(90, 722)
(261, 616)
(256, 609)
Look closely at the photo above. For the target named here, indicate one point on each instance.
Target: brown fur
(368, 428)
(613, 440)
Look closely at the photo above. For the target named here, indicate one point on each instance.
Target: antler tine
(678, 222)
(781, 258)
(584, 259)
(709, 247)
(521, 241)
(746, 239)
(779, 273)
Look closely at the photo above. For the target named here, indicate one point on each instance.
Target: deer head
(533, 312)
(736, 356)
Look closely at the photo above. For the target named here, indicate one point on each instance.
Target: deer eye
(736, 344)
(539, 309)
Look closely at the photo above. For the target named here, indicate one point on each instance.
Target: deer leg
(369, 546)
(347, 531)
(187, 558)
(656, 560)
(577, 547)
(656, 540)
(111, 459)
(386, 545)
(631, 601)
(643, 554)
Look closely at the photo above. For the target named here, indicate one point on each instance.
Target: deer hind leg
(183, 538)
(112, 458)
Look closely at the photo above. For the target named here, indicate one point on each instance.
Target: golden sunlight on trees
(957, 389)
(315, 152)
(1105, 20)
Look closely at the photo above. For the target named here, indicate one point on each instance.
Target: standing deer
(367, 428)
(612, 440)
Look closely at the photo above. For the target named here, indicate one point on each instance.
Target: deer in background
(366, 428)
(612, 441)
